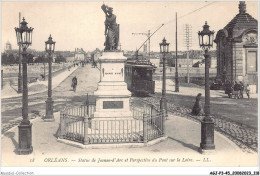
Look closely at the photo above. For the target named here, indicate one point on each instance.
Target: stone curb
(107, 146)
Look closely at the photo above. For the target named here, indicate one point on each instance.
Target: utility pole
(149, 41)
(44, 68)
(188, 42)
(149, 36)
(176, 62)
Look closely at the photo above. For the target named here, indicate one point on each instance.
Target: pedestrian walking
(228, 89)
(74, 83)
(94, 64)
(197, 108)
(241, 89)
(248, 91)
(237, 89)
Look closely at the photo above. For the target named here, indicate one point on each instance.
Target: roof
(241, 20)
(139, 63)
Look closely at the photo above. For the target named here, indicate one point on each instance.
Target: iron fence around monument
(78, 124)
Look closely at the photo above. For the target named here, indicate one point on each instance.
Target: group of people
(237, 89)
(230, 88)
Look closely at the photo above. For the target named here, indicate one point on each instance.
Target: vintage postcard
(139, 84)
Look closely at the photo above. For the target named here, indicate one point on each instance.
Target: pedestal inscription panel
(113, 105)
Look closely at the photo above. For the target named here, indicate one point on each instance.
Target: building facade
(79, 55)
(95, 55)
(237, 49)
(155, 61)
(8, 46)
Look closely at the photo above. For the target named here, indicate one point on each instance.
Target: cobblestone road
(244, 136)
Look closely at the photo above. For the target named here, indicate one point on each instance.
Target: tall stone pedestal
(112, 94)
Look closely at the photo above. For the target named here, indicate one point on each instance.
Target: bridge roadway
(87, 82)
(238, 126)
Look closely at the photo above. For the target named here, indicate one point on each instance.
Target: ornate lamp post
(24, 40)
(19, 73)
(164, 48)
(20, 64)
(207, 125)
(44, 75)
(49, 48)
(176, 62)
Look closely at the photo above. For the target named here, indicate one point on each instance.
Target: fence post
(145, 109)
(163, 116)
(87, 103)
(62, 125)
(161, 106)
(145, 128)
(89, 122)
(151, 113)
(86, 141)
(166, 110)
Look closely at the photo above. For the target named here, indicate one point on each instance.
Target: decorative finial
(206, 22)
(23, 23)
(242, 7)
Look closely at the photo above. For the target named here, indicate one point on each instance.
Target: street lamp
(164, 48)
(176, 61)
(24, 40)
(20, 65)
(19, 73)
(44, 75)
(49, 48)
(207, 125)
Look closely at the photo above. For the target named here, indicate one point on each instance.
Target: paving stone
(243, 136)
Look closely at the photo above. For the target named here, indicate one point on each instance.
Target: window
(251, 65)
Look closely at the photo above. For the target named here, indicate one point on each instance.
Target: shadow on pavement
(11, 135)
(57, 134)
(191, 146)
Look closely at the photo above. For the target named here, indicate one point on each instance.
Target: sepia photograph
(102, 87)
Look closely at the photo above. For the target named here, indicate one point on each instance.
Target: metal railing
(77, 124)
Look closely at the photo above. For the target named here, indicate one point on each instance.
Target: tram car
(139, 77)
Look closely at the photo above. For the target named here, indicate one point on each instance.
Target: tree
(30, 58)
(39, 59)
(11, 59)
(170, 60)
(4, 58)
(7, 59)
(59, 59)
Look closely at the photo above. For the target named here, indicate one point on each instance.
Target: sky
(81, 24)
